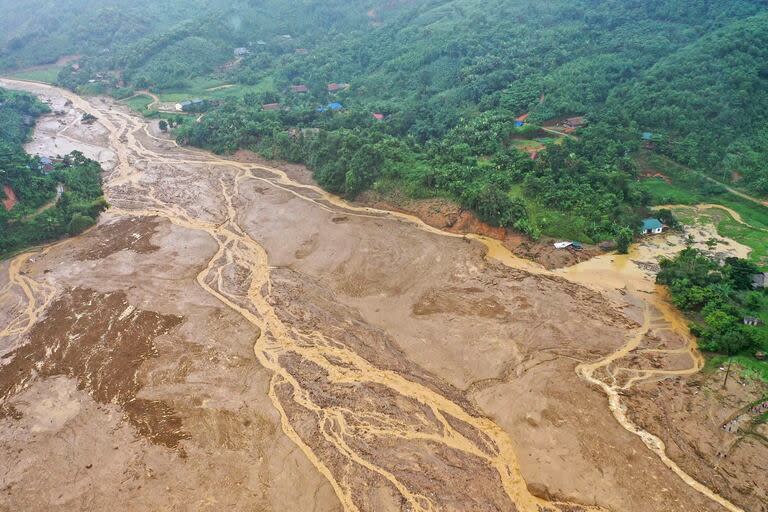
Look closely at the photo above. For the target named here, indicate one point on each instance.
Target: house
(652, 226)
(334, 87)
(753, 321)
(271, 106)
(649, 140)
(46, 164)
(261, 43)
(286, 36)
(760, 281)
(377, 116)
(299, 89)
(577, 245)
(520, 120)
(335, 107)
(75, 67)
(575, 122)
(241, 52)
(301, 51)
(187, 105)
(534, 155)
(562, 245)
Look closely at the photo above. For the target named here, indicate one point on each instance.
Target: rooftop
(651, 224)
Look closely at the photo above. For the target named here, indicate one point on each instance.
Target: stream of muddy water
(278, 347)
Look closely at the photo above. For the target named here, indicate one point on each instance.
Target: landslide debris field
(229, 337)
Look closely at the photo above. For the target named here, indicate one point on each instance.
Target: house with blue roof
(652, 227)
(335, 107)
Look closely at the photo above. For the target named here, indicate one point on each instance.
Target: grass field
(665, 193)
(138, 103)
(210, 89)
(43, 74)
(757, 240)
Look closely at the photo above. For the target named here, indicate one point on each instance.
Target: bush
(623, 240)
(79, 223)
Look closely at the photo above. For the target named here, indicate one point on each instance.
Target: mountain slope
(710, 99)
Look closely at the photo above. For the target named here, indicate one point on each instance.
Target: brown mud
(303, 353)
(452, 218)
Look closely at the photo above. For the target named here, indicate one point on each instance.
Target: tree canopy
(447, 80)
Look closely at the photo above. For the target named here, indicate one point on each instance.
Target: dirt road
(231, 337)
(735, 192)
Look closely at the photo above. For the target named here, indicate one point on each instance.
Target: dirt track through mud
(353, 419)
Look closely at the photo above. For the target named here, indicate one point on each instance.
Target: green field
(665, 193)
(202, 88)
(139, 103)
(46, 75)
(756, 239)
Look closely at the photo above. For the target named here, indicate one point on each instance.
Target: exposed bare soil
(450, 217)
(100, 341)
(124, 234)
(231, 337)
(9, 198)
(690, 415)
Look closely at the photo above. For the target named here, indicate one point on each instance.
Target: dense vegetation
(711, 102)
(38, 217)
(718, 297)
(450, 77)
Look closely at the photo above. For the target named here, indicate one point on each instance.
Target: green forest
(719, 298)
(447, 80)
(40, 215)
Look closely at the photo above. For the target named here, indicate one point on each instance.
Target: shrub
(79, 223)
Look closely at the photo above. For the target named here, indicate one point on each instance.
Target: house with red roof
(334, 87)
(378, 116)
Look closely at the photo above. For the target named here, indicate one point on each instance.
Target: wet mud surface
(230, 336)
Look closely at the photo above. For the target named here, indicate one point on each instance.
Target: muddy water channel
(231, 336)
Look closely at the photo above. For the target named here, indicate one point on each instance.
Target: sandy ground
(230, 336)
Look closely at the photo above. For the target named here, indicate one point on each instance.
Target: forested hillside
(30, 212)
(447, 80)
(710, 100)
